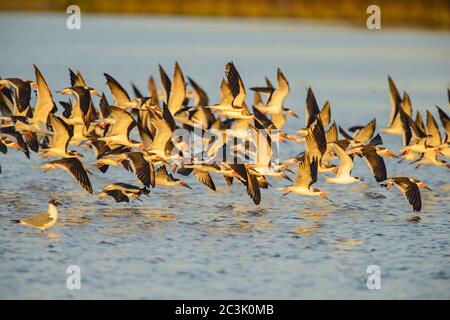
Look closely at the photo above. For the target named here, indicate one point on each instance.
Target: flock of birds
(138, 134)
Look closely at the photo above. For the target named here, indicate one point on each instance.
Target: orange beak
(292, 113)
(323, 195)
(183, 184)
(424, 186)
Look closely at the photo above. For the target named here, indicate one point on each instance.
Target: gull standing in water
(43, 220)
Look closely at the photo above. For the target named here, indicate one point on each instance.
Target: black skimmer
(82, 110)
(409, 187)
(105, 156)
(311, 107)
(249, 180)
(163, 178)
(67, 106)
(121, 98)
(121, 191)
(277, 95)
(143, 169)
(226, 98)
(199, 95)
(164, 124)
(395, 126)
(153, 90)
(43, 220)
(316, 145)
(22, 95)
(430, 157)
(119, 132)
(345, 168)
(35, 127)
(427, 145)
(434, 145)
(6, 105)
(313, 112)
(361, 134)
(275, 103)
(13, 139)
(62, 133)
(306, 176)
(373, 160)
(419, 121)
(331, 135)
(262, 164)
(177, 93)
(74, 167)
(445, 120)
(434, 138)
(232, 103)
(77, 79)
(201, 172)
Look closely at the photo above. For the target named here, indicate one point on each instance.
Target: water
(198, 244)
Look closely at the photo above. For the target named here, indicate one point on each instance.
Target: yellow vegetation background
(406, 13)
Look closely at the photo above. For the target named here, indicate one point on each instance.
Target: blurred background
(411, 13)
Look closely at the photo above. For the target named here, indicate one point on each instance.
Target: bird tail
(15, 221)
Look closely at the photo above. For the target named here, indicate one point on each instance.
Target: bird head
(99, 163)
(438, 150)
(184, 184)
(292, 113)
(55, 202)
(102, 196)
(33, 84)
(387, 153)
(323, 195)
(135, 196)
(285, 168)
(285, 176)
(422, 185)
(77, 154)
(101, 124)
(65, 91)
(248, 166)
(94, 92)
(235, 174)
